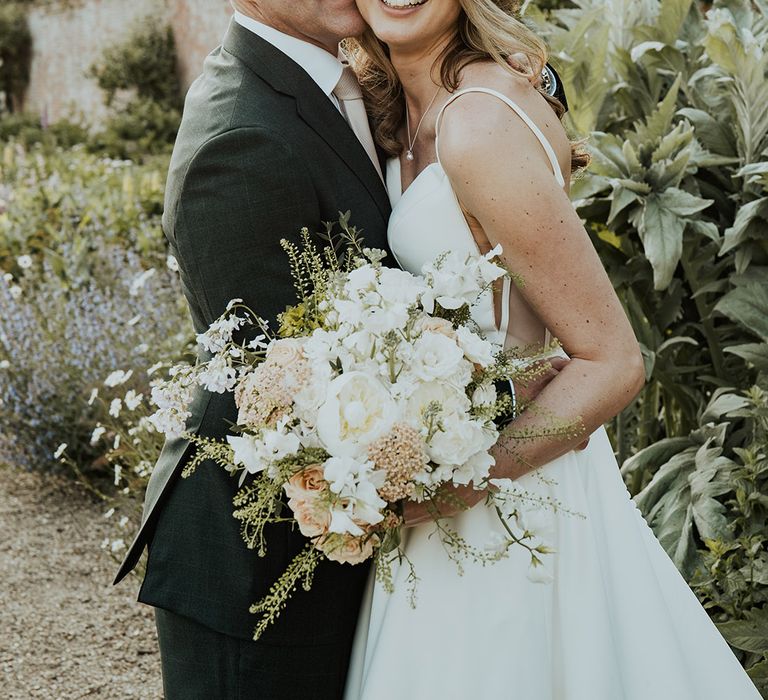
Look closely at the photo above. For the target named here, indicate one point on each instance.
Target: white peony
(358, 409)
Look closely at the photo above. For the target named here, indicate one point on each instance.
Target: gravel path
(65, 631)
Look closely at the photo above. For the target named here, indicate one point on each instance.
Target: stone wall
(69, 37)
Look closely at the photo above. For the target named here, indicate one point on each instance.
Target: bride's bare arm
(502, 176)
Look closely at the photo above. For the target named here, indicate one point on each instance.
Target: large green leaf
(752, 217)
(754, 353)
(747, 305)
(661, 225)
(750, 634)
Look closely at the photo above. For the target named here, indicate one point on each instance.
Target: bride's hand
(452, 501)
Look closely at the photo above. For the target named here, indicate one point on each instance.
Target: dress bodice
(427, 220)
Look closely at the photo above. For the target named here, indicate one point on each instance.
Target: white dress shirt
(324, 68)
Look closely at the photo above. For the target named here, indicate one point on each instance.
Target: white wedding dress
(615, 622)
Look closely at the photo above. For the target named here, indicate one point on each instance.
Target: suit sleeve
(243, 192)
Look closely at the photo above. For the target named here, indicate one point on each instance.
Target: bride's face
(411, 25)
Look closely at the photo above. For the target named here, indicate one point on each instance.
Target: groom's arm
(243, 192)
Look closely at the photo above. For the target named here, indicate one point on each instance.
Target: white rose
(358, 409)
(475, 348)
(435, 356)
(451, 400)
(460, 440)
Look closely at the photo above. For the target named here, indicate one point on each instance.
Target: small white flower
(141, 349)
(247, 453)
(140, 280)
(118, 545)
(60, 450)
(123, 521)
(118, 474)
(93, 396)
(133, 321)
(105, 543)
(97, 434)
(172, 264)
(484, 395)
(24, 261)
(116, 443)
(154, 368)
(109, 513)
(133, 400)
(15, 291)
(5, 364)
(118, 377)
(115, 407)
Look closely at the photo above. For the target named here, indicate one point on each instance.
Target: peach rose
(313, 520)
(437, 325)
(347, 549)
(306, 483)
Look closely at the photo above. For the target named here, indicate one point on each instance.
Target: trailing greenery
(15, 54)
(673, 101)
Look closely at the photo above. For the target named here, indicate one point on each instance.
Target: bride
(479, 158)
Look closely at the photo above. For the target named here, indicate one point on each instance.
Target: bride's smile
(411, 24)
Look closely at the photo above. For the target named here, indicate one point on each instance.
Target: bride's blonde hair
(487, 29)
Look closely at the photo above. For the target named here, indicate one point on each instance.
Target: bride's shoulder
(477, 121)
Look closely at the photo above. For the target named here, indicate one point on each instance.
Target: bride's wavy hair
(487, 29)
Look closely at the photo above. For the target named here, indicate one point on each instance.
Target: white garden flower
(476, 349)
(459, 440)
(357, 410)
(451, 400)
(247, 453)
(118, 377)
(4, 364)
(140, 280)
(15, 291)
(24, 261)
(217, 376)
(117, 545)
(123, 521)
(115, 407)
(435, 356)
(60, 450)
(484, 395)
(133, 400)
(94, 395)
(172, 264)
(97, 434)
(108, 514)
(118, 474)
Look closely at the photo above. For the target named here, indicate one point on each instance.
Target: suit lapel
(313, 105)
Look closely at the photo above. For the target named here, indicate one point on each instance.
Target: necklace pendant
(409, 154)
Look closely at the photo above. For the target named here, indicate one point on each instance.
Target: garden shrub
(676, 200)
(145, 65)
(15, 54)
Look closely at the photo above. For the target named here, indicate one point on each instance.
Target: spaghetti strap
(520, 113)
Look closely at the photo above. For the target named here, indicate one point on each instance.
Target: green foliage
(144, 62)
(144, 66)
(15, 53)
(673, 100)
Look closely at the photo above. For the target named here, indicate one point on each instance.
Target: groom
(274, 138)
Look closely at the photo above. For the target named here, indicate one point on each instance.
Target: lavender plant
(63, 332)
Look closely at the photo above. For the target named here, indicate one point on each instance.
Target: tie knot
(348, 88)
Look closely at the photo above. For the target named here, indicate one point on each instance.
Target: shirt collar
(321, 66)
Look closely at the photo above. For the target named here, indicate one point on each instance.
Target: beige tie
(351, 103)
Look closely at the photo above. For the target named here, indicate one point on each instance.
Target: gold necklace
(412, 141)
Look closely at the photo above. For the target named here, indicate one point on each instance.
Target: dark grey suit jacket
(261, 153)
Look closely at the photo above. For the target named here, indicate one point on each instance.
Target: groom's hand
(451, 501)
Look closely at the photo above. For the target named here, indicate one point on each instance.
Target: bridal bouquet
(377, 388)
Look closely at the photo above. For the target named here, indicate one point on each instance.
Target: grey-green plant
(672, 97)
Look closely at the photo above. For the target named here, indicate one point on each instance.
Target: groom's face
(321, 22)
